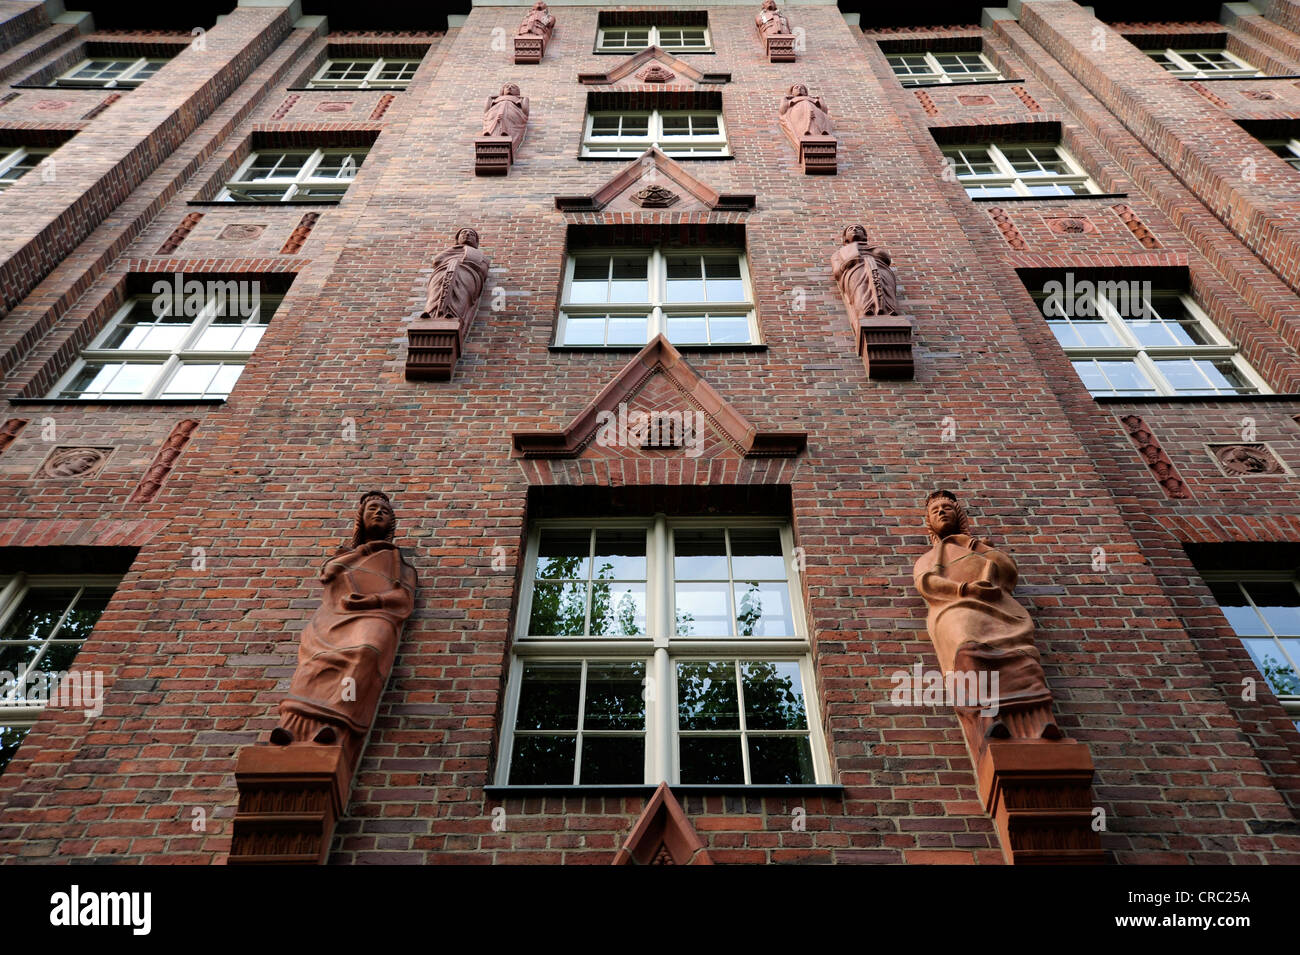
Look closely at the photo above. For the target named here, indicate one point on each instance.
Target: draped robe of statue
(457, 282)
(507, 115)
(804, 115)
(866, 278)
(369, 594)
(538, 22)
(771, 22)
(972, 633)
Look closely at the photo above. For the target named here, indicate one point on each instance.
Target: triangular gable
(660, 358)
(661, 61)
(651, 182)
(663, 835)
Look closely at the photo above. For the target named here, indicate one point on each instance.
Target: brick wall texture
(197, 652)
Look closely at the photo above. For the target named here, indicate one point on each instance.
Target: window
(661, 649)
(155, 348)
(294, 175)
(920, 69)
(17, 163)
(630, 39)
(1288, 149)
(1027, 169)
(1208, 63)
(367, 74)
(1126, 340)
(681, 133)
(109, 73)
(694, 297)
(1264, 610)
(44, 620)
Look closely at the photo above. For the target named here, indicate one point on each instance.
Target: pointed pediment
(652, 182)
(653, 66)
(659, 404)
(662, 835)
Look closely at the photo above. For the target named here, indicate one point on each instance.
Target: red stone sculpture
(505, 119)
(869, 285)
(533, 34)
(346, 651)
(807, 124)
(434, 342)
(774, 28)
(162, 465)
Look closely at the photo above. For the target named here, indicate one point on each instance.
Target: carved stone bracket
(780, 49)
(530, 49)
(290, 798)
(885, 346)
(1039, 793)
(817, 155)
(662, 835)
(433, 348)
(493, 155)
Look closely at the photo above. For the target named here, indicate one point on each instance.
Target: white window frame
(13, 590)
(293, 186)
(14, 158)
(658, 309)
(126, 80)
(1008, 177)
(1288, 150)
(661, 648)
(170, 361)
(371, 79)
(1147, 356)
(1176, 64)
(935, 72)
(1290, 702)
(655, 38)
(630, 147)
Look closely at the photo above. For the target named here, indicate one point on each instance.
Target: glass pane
(606, 124)
(548, 696)
(14, 659)
(763, 610)
(1126, 378)
(702, 610)
(628, 331)
(543, 760)
(558, 610)
(773, 695)
(711, 759)
(1241, 616)
(706, 696)
(677, 125)
(615, 697)
(685, 279)
(780, 759)
(618, 610)
(629, 283)
(11, 737)
(38, 614)
(724, 282)
(190, 381)
(85, 613)
(699, 555)
(584, 331)
(612, 760)
(1280, 605)
(729, 330)
(563, 555)
(58, 657)
(224, 381)
(756, 554)
(688, 330)
(620, 555)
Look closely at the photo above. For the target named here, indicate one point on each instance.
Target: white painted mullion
(740, 714)
(582, 706)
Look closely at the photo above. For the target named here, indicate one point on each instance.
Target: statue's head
(375, 519)
(854, 233)
(467, 237)
(540, 5)
(510, 89)
(769, 4)
(798, 90)
(944, 516)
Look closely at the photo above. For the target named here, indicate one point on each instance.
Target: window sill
(1186, 399)
(931, 85)
(626, 159)
(261, 205)
(631, 52)
(1202, 79)
(166, 402)
(679, 789)
(633, 349)
(346, 89)
(1088, 195)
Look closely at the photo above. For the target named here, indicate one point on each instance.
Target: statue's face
(855, 233)
(798, 90)
(540, 5)
(769, 4)
(377, 518)
(467, 237)
(941, 516)
(510, 89)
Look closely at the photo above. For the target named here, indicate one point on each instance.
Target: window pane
(629, 283)
(543, 760)
(711, 759)
(724, 282)
(763, 610)
(706, 696)
(618, 610)
(685, 279)
(190, 381)
(615, 697)
(699, 555)
(1241, 616)
(620, 555)
(773, 695)
(1280, 606)
(780, 759)
(558, 610)
(688, 330)
(11, 737)
(584, 331)
(728, 330)
(756, 554)
(702, 610)
(564, 555)
(628, 331)
(612, 760)
(548, 696)
(38, 614)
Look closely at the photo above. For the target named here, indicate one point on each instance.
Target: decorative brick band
(1209, 94)
(10, 431)
(1135, 225)
(109, 100)
(299, 234)
(1154, 456)
(152, 481)
(1008, 229)
(180, 233)
(1030, 103)
(381, 107)
(927, 103)
(282, 110)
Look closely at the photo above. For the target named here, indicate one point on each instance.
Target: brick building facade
(991, 151)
